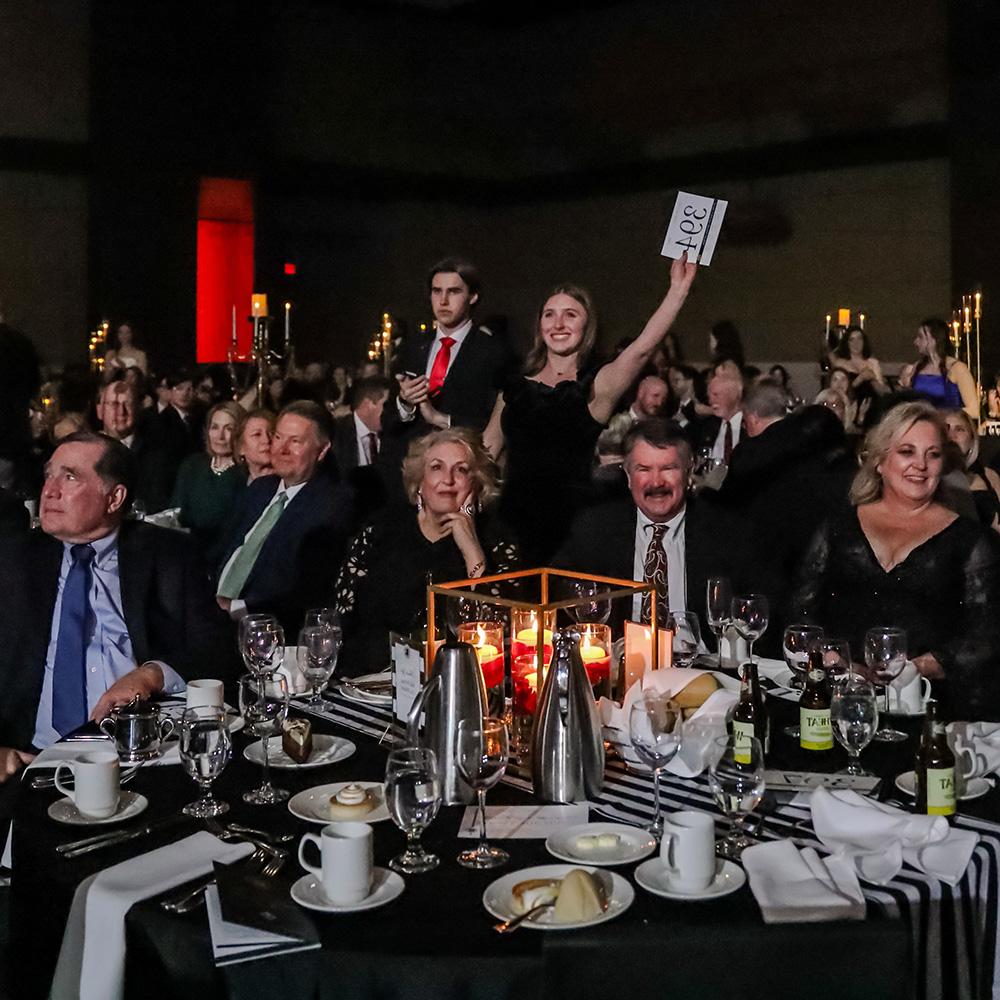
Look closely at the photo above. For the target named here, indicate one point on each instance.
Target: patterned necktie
(232, 583)
(69, 671)
(655, 572)
(440, 369)
(371, 447)
(727, 444)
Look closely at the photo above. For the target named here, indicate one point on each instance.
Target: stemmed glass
(322, 616)
(719, 599)
(318, 648)
(262, 643)
(264, 705)
(836, 655)
(854, 714)
(795, 647)
(736, 778)
(885, 656)
(749, 617)
(413, 797)
(686, 636)
(205, 748)
(481, 752)
(596, 610)
(655, 729)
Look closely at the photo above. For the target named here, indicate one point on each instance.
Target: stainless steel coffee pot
(454, 692)
(567, 749)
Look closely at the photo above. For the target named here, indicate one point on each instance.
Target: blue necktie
(69, 672)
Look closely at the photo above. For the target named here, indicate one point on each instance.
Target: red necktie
(727, 443)
(440, 368)
(655, 572)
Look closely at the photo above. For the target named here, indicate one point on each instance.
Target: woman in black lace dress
(445, 532)
(547, 421)
(898, 557)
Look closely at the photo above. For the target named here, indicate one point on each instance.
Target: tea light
(487, 639)
(595, 646)
(526, 683)
(524, 629)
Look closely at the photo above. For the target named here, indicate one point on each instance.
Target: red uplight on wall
(225, 267)
(290, 268)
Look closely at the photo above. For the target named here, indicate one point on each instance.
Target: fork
(190, 899)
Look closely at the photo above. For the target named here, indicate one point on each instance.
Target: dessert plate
(974, 787)
(326, 750)
(652, 875)
(367, 689)
(129, 804)
(312, 805)
(634, 844)
(386, 886)
(498, 899)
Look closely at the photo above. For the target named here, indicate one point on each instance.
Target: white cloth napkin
(983, 740)
(699, 731)
(878, 838)
(793, 886)
(59, 752)
(91, 963)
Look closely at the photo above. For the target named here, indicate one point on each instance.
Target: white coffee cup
(95, 788)
(347, 858)
(910, 691)
(205, 693)
(688, 850)
(968, 763)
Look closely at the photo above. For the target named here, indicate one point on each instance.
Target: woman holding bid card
(548, 419)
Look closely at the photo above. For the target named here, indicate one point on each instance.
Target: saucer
(326, 750)
(652, 876)
(386, 886)
(312, 805)
(974, 787)
(129, 804)
(634, 844)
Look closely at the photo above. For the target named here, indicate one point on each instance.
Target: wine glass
(317, 650)
(262, 644)
(322, 616)
(736, 778)
(836, 655)
(795, 647)
(719, 599)
(481, 751)
(205, 748)
(413, 797)
(686, 637)
(749, 617)
(655, 728)
(264, 706)
(854, 714)
(885, 656)
(596, 610)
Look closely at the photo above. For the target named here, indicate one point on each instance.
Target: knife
(77, 847)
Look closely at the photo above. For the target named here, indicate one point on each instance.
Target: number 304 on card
(694, 227)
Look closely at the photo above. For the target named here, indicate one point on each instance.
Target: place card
(806, 781)
(407, 675)
(522, 822)
(694, 228)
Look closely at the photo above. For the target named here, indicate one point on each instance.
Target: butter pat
(589, 842)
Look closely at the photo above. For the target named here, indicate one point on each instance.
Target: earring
(420, 502)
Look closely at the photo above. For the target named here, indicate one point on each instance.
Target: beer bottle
(815, 728)
(744, 719)
(935, 768)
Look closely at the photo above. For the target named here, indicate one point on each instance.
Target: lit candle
(258, 305)
(288, 333)
(843, 317)
(526, 641)
(487, 639)
(828, 318)
(526, 683)
(862, 317)
(234, 326)
(968, 322)
(978, 313)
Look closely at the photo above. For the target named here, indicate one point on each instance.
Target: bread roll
(695, 693)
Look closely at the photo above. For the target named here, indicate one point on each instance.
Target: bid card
(694, 228)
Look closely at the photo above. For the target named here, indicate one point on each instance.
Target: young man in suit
(357, 444)
(287, 537)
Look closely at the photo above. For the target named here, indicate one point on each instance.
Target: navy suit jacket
(300, 559)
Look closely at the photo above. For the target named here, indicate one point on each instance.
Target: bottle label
(940, 791)
(743, 733)
(815, 729)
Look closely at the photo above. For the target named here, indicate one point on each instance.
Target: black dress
(382, 585)
(549, 437)
(944, 594)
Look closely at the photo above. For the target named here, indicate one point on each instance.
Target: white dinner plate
(653, 877)
(312, 805)
(974, 787)
(635, 844)
(129, 804)
(386, 886)
(498, 899)
(325, 750)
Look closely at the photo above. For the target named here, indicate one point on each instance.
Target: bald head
(650, 397)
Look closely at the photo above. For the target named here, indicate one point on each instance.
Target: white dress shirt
(459, 334)
(673, 545)
(361, 432)
(736, 422)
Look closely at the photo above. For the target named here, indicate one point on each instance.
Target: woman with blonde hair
(897, 556)
(252, 442)
(984, 483)
(445, 531)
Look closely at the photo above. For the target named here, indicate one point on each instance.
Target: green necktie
(235, 578)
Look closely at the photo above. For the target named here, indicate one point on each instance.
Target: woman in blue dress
(937, 376)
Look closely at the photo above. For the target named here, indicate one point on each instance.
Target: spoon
(512, 924)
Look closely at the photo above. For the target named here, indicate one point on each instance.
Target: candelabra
(260, 354)
(380, 346)
(97, 347)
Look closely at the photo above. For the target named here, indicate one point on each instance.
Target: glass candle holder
(527, 685)
(524, 633)
(487, 640)
(595, 651)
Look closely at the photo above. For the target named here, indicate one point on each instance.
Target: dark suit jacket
(367, 481)
(169, 610)
(298, 564)
(602, 541)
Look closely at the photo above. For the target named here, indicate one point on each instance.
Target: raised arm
(493, 435)
(962, 377)
(616, 376)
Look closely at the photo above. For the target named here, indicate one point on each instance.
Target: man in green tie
(287, 536)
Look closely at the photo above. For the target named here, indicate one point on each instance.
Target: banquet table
(919, 939)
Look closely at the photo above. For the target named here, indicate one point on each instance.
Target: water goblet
(596, 610)
(205, 747)
(264, 706)
(318, 648)
(795, 647)
(749, 615)
(719, 599)
(322, 616)
(262, 644)
(885, 657)
(481, 752)
(854, 715)
(686, 637)
(655, 730)
(413, 797)
(736, 778)
(836, 656)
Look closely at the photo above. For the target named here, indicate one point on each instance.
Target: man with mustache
(659, 534)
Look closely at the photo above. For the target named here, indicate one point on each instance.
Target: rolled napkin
(980, 740)
(797, 886)
(91, 963)
(878, 838)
